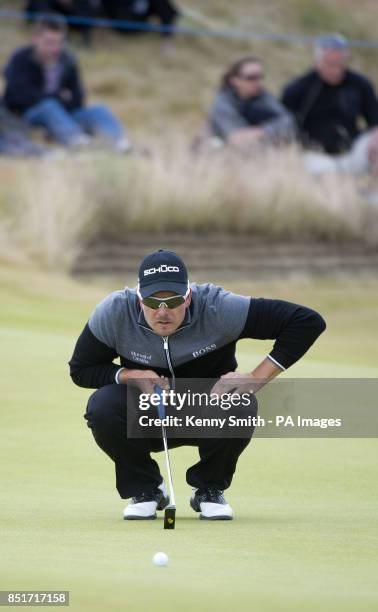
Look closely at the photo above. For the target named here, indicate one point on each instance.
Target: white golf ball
(160, 558)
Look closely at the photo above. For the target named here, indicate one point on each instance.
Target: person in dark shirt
(43, 85)
(244, 114)
(330, 102)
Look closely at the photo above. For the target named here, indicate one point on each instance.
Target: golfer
(167, 328)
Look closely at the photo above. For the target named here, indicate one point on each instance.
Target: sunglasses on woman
(251, 77)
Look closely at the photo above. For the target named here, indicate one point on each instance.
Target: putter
(170, 511)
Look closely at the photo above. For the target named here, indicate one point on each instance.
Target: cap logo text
(160, 269)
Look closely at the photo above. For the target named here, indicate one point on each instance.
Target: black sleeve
(75, 86)
(22, 91)
(292, 96)
(370, 104)
(294, 327)
(91, 364)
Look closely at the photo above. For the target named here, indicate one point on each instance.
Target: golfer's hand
(234, 382)
(145, 380)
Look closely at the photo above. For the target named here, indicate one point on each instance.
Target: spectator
(43, 85)
(329, 102)
(14, 138)
(139, 11)
(68, 8)
(244, 113)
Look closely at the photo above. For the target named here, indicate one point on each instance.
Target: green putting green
(304, 537)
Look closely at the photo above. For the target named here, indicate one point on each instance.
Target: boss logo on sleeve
(162, 268)
(204, 349)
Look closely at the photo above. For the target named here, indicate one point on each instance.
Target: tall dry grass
(56, 207)
(44, 215)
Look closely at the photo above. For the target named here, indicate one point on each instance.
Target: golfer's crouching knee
(105, 405)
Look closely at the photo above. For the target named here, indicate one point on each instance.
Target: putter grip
(161, 407)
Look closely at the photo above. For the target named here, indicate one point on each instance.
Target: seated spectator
(67, 8)
(43, 86)
(244, 113)
(329, 103)
(139, 11)
(14, 138)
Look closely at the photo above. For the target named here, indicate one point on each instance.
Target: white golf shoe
(144, 506)
(211, 504)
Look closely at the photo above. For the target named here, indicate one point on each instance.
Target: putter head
(170, 517)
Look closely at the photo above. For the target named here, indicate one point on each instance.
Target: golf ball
(160, 558)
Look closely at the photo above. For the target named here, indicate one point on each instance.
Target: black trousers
(136, 471)
(125, 10)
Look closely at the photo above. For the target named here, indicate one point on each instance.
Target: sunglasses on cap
(169, 302)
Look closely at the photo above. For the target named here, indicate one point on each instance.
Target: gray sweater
(230, 113)
(203, 346)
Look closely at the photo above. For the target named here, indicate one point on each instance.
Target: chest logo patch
(140, 357)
